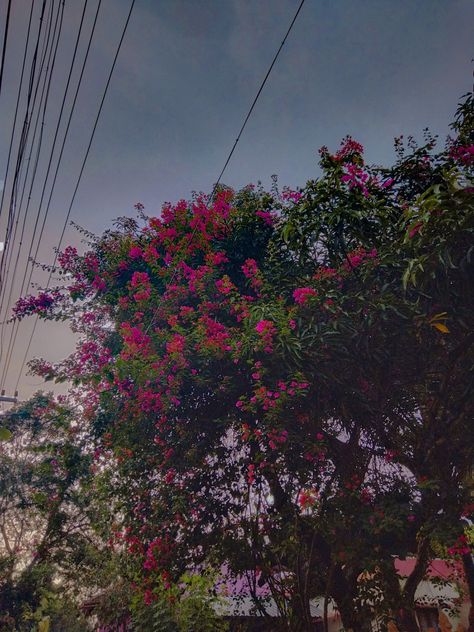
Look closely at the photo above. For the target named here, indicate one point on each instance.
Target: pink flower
(250, 268)
(356, 178)
(99, 284)
(139, 278)
(291, 196)
(251, 474)
(176, 344)
(135, 252)
(463, 154)
(349, 147)
(266, 216)
(264, 326)
(302, 294)
(225, 285)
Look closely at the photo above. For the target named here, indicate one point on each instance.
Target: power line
(47, 173)
(41, 108)
(16, 324)
(65, 137)
(5, 38)
(25, 131)
(68, 214)
(249, 113)
(25, 179)
(18, 97)
(79, 83)
(25, 128)
(80, 173)
(47, 84)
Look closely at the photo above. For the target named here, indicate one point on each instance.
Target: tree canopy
(265, 375)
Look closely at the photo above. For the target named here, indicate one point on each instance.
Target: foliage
(189, 606)
(266, 374)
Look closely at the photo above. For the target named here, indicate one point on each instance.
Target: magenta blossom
(135, 252)
(302, 294)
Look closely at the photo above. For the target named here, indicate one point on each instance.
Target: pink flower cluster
(349, 147)
(158, 550)
(302, 294)
(176, 344)
(276, 438)
(39, 304)
(251, 474)
(215, 335)
(252, 273)
(465, 155)
(356, 178)
(68, 259)
(136, 341)
(291, 196)
(460, 547)
(135, 252)
(267, 330)
(269, 399)
(267, 217)
(357, 257)
(225, 285)
(140, 282)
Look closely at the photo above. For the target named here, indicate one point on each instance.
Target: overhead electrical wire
(19, 94)
(30, 102)
(64, 140)
(26, 121)
(246, 119)
(5, 39)
(28, 262)
(53, 147)
(42, 107)
(262, 85)
(66, 221)
(216, 185)
(79, 82)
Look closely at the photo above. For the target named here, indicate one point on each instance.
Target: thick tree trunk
(350, 621)
(406, 621)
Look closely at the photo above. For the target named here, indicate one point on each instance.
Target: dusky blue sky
(187, 73)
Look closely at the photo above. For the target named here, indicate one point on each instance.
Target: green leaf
(5, 434)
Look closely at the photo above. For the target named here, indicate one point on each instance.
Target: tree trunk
(406, 620)
(350, 621)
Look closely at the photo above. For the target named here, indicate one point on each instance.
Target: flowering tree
(266, 375)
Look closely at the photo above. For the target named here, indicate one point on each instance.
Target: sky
(186, 75)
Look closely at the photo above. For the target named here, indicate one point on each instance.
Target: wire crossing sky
(186, 73)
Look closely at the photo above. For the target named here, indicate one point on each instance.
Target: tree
(42, 512)
(267, 373)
